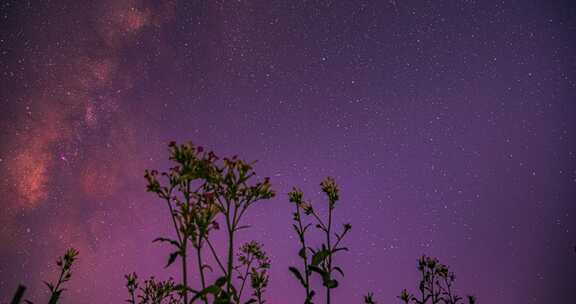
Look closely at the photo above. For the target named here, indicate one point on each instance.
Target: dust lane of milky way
(448, 124)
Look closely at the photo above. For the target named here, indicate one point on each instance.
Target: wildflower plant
(65, 263)
(152, 291)
(254, 265)
(199, 191)
(320, 260)
(435, 286)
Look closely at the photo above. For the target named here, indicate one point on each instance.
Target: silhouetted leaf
(298, 275)
(49, 285)
(167, 240)
(242, 227)
(331, 283)
(220, 281)
(319, 256)
(172, 258)
(339, 270)
(318, 270)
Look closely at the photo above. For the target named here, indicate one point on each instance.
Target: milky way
(448, 124)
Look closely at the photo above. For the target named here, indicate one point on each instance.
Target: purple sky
(448, 124)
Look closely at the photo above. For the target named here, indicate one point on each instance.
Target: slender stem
(245, 277)
(18, 295)
(244, 205)
(423, 286)
(133, 298)
(339, 239)
(432, 288)
(229, 226)
(55, 294)
(259, 295)
(59, 280)
(185, 271)
(319, 221)
(305, 257)
(215, 256)
(167, 198)
(237, 221)
(448, 290)
(219, 200)
(230, 259)
(182, 244)
(201, 267)
(235, 214)
(329, 248)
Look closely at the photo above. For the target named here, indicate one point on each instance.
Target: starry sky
(449, 126)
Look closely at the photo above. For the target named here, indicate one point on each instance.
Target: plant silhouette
(435, 286)
(153, 291)
(369, 298)
(64, 263)
(322, 258)
(200, 190)
(256, 264)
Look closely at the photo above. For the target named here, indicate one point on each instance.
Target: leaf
(212, 289)
(163, 239)
(319, 256)
(220, 281)
(331, 283)
(215, 289)
(224, 298)
(318, 270)
(326, 280)
(251, 301)
(172, 258)
(339, 270)
(49, 285)
(242, 227)
(298, 275)
(182, 288)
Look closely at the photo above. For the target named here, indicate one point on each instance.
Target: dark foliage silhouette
(152, 292)
(255, 264)
(321, 260)
(18, 295)
(64, 263)
(369, 298)
(436, 285)
(200, 191)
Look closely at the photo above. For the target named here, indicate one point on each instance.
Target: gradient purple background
(448, 124)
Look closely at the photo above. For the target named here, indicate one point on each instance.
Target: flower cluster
(435, 285)
(331, 189)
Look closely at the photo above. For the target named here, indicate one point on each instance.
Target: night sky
(449, 126)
